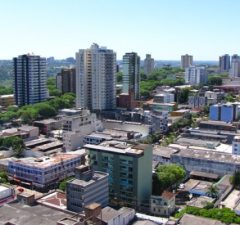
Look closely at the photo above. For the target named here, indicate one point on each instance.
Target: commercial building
(30, 79)
(208, 161)
(236, 145)
(186, 61)
(131, 74)
(126, 165)
(224, 63)
(148, 64)
(47, 125)
(88, 187)
(7, 100)
(77, 123)
(95, 78)
(66, 80)
(44, 172)
(196, 75)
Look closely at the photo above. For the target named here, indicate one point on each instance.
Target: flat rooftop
(209, 155)
(200, 202)
(21, 214)
(44, 162)
(36, 142)
(165, 152)
(118, 147)
(96, 177)
(56, 200)
(188, 220)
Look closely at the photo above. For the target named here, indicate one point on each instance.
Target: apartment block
(131, 74)
(126, 165)
(196, 75)
(186, 61)
(66, 80)
(30, 79)
(88, 187)
(224, 63)
(96, 78)
(148, 64)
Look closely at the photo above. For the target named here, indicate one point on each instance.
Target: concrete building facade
(126, 165)
(224, 63)
(186, 61)
(96, 78)
(148, 64)
(30, 79)
(131, 74)
(88, 187)
(66, 80)
(196, 75)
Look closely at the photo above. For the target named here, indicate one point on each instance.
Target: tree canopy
(225, 215)
(166, 176)
(16, 143)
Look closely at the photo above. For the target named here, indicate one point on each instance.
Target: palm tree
(213, 191)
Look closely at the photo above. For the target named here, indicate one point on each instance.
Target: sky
(164, 28)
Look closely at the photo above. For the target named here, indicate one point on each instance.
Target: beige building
(6, 100)
(186, 61)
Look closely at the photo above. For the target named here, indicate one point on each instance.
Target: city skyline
(164, 29)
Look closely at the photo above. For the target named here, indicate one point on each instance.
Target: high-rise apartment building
(235, 66)
(186, 61)
(129, 169)
(30, 79)
(131, 74)
(224, 63)
(66, 80)
(195, 75)
(148, 64)
(96, 78)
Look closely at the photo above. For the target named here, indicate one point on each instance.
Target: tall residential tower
(131, 74)
(95, 78)
(148, 64)
(30, 79)
(224, 63)
(186, 61)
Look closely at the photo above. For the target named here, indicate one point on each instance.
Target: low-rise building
(163, 205)
(197, 220)
(88, 187)
(77, 123)
(236, 145)
(7, 100)
(44, 172)
(207, 161)
(159, 122)
(47, 125)
(164, 97)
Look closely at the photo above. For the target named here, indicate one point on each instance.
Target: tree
(213, 191)
(229, 98)
(119, 77)
(3, 177)
(214, 80)
(235, 179)
(63, 184)
(166, 176)
(182, 95)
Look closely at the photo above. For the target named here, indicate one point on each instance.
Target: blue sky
(164, 28)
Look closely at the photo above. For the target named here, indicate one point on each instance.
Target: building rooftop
(43, 162)
(232, 201)
(84, 183)
(188, 220)
(20, 214)
(46, 121)
(6, 96)
(54, 200)
(27, 128)
(119, 147)
(108, 214)
(200, 202)
(36, 142)
(209, 155)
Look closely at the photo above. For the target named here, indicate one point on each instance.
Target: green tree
(182, 95)
(119, 77)
(63, 184)
(214, 80)
(235, 180)
(229, 98)
(166, 176)
(213, 191)
(3, 177)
